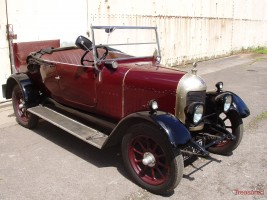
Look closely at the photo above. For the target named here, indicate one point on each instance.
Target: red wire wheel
(23, 117)
(232, 122)
(150, 160)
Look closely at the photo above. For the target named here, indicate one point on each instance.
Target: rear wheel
(23, 117)
(150, 160)
(232, 122)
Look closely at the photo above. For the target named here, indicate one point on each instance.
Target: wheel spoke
(153, 173)
(143, 171)
(160, 155)
(162, 165)
(154, 147)
(138, 152)
(141, 145)
(160, 172)
(137, 161)
(147, 144)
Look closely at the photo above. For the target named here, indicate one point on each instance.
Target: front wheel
(23, 117)
(150, 160)
(233, 123)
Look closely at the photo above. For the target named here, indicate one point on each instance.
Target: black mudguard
(29, 92)
(169, 125)
(240, 106)
(177, 133)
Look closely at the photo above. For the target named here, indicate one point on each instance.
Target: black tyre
(233, 123)
(150, 160)
(23, 117)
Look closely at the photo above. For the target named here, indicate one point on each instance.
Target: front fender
(240, 106)
(177, 133)
(169, 125)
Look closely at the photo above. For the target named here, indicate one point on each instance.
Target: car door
(77, 85)
(49, 78)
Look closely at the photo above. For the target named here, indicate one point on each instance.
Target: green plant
(261, 50)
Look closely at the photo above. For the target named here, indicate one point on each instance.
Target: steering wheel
(97, 47)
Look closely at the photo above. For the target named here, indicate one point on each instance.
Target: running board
(73, 127)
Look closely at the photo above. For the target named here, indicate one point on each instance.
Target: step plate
(75, 128)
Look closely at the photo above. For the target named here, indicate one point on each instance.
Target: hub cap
(149, 159)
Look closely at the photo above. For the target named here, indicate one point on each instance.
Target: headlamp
(228, 99)
(153, 105)
(195, 112)
(198, 113)
(224, 101)
(219, 86)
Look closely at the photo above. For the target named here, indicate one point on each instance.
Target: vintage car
(110, 96)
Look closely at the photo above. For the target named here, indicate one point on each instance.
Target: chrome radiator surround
(189, 83)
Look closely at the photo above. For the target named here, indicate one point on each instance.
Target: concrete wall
(190, 29)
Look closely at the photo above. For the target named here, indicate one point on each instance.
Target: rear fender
(29, 92)
(169, 125)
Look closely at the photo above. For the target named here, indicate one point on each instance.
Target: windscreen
(138, 42)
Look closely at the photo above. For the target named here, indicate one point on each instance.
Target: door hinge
(10, 33)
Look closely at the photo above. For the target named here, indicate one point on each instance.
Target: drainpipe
(10, 37)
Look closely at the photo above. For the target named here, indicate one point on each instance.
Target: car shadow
(99, 157)
(196, 167)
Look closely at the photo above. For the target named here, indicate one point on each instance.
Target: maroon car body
(117, 94)
(160, 116)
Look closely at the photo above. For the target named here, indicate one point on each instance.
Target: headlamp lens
(198, 113)
(153, 105)
(227, 102)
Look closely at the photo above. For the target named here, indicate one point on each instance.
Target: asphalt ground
(48, 163)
